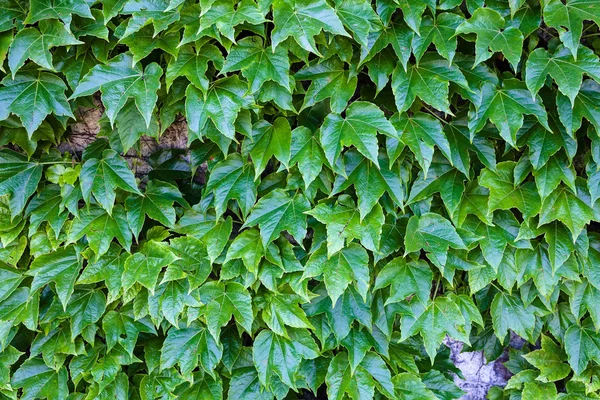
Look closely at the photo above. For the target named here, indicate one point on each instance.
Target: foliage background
(360, 181)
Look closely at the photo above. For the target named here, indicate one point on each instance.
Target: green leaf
(565, 206)
(108, 268)
(19, 179)
(101, 177)
(61, 267)
(277, 356)
(340, 380)
(270, 140)
(370, 182)
(343, 224)
(505, 108)
(359, 129)
(277, 212)
(221, 104)
(582, 345)
(421, 133)
(57, 9)
(439, 32)
(549, 360)
(359, 17)
(100, 228)
(283, 310)
(144, 267)
(405, 279)
(193, 65)
(506, 194)
(119, 80)
(441, 317)
(570, 16)
(232, 179)
(509, 312)
(429, 80)
(33, 44)
(46, 90)
(571, 114)
(145, 42)
(259, 64)
(307, 152)
(566, 70)
(224, 300)
(40, 381)
(493, 36)
(351, 264)
(410, 387)
(434, 234)
(302, 20)
(190, 347)
(156, 203)
(329, 79)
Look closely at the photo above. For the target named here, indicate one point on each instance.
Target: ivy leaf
(493, 36)
(145, 42)
(283, 310)
(102, 177)
(430, 81)
(61, 267)
(412, 11)
(509, 312)
(566, 70)
(270, 140)
(193, 65)
(549, 360)
(405, 279)
(145, 12)
(369, 181)
(441, 317)
(307, 152)
(156, 203)
(565, 206)
(340, 269)
(224, 300)
(100, 228)
(570, 16)
(410, 387)
(259, 64)
(221, 104)
(108, 268)
(359, 17)
(46, 90)
(505, 194)
(359, 128)
(582, 345)
(35, 45)
(119, 80)
(498, 104)
(19, 179)
(38, 380)
(571, 114)
(302, 20)
(421, 133)
(340, 380)
(57, 9)
(145, 266)
(343, 223)
(189, 347)
(226, 15)
(329, 79)
(439, 32)
(277, 212)
(277, 356)
(232, 179)
(434, 234)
